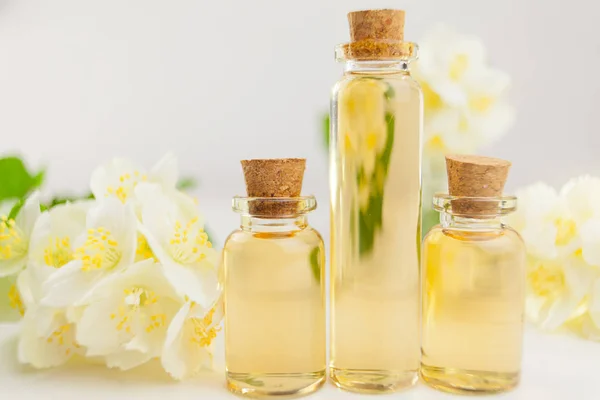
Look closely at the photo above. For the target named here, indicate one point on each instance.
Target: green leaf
(389, 144)
(16, 208)
(58, 200)
(315, 263)
(390, 92)
(15, 179)
(187, 183)
(371, 219)
(430, 219)
(326, 124)
(211, 236)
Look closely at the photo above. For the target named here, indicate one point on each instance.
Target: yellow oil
(375, 232)
(274, 312)
(474, 287)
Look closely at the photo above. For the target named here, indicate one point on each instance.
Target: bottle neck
(376, 66)
(472, 223)
(255, 224)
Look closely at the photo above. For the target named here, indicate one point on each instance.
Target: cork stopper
(376, 24)
(278, 177)
(475, 176)
(377, 35)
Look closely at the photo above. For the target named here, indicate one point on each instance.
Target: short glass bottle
(274, 295)
(473, 269)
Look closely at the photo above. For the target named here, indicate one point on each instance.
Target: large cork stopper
(475, 176)
(377, 35)
(376, 24)
(278, 177)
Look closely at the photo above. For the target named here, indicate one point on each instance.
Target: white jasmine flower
(540, 214)
(174, 229)
(14, 236)
(562, 234)
(50, 349)
(127, 316)
(556, 290)
(50, 248)
(188, 345)
(47, 338)
(107, 247)
(582, 196)
(53, 238)
(454, 67)
(119, 177)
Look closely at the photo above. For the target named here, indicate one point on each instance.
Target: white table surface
(554, 367)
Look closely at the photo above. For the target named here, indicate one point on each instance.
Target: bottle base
(462, 381)
(274, 385)
(372, 381)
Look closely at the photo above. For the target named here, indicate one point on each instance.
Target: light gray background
(218, 81)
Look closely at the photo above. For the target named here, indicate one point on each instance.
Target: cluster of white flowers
(464, 100)
(562, 233)
(128, 277)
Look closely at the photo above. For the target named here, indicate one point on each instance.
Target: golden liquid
(375, 232)
(474, 287)
(274, 312)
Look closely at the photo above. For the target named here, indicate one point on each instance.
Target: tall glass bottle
(375, 177)
(473, 284)
(274, 287)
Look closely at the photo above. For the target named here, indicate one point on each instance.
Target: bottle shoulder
(505, 235)
(307, 235)
(397, 80)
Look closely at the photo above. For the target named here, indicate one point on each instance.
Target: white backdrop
(218, 81)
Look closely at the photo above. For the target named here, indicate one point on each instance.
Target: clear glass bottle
(473, 298)
(375, 177)
(274, 300)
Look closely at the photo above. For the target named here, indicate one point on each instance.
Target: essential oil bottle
(274, 275)
(473, 268)
(375, 178)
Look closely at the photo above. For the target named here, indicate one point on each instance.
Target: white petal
(583, 196)
(12, 266)
(489, 82)
(30, 292)
(97, 331)
(166, 172)
(121, 221)
(540, 238)
(40, 351)
(137, 344)
(26, 288)
(559, 312)
(156, 224)
(108, 175)
(578, 277)
(172, 360)
(595, 303)
(150, 274)
(29, 214)
(69, 285)
(590, 241)
(199, 283)
(125, 360)
(534, 307)
(63, 221)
